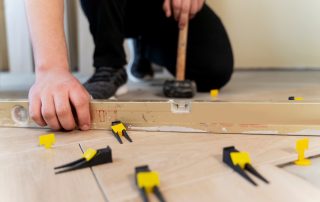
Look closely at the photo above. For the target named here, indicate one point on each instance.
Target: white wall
(272, 33)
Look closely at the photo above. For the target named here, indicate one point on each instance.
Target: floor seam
(97, 181)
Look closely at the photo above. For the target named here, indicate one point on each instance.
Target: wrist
(51, 60)
(43, 69)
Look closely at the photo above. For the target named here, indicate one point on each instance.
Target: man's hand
(52, 97)
(183, 10)
(55, 91)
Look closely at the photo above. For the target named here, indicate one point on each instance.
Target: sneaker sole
(120, 91)
(136, 79)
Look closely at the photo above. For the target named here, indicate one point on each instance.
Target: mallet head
(179, 89)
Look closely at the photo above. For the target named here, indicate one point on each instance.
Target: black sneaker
(141, 68)
(107, 82)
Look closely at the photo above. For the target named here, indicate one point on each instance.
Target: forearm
(46, 24)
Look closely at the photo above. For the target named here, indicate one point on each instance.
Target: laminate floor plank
(29, 177)
(184, 157)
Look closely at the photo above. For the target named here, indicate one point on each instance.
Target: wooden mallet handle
(182, 49)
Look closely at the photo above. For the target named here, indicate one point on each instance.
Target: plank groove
(190, 167)
(29, 176)
(191, 160)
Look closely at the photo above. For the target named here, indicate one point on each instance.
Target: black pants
(209, 53)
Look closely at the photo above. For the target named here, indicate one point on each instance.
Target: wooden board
(3, 41)
(289, 118)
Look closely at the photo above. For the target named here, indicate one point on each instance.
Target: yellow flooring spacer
(118, 128)
(214, 92)
(89, 154)
(298, 98)
(301, 146)
(47, 140)
(148, 180)
(303, 162)
(240, 158)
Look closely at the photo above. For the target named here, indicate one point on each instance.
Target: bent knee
(213, 78)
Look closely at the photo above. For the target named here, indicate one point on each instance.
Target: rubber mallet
(180, 88)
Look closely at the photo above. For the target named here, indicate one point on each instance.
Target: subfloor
(245, 85)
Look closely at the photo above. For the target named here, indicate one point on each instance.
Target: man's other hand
(182, 10)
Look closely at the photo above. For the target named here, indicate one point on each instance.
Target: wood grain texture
(29, 177)
(189, 160)
(289, 118)
(23, 140)
(190, 167)
(232, 187)
(309, 173)
(3, 40)
(182, 52)
(71, 31)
